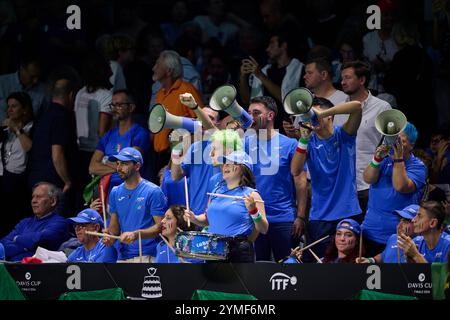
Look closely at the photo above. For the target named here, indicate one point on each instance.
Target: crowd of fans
(74, 109)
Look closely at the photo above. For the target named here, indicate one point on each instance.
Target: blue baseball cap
(88, 216)
(352, 226)
(409, 212)
(128, 154)
(237, 156)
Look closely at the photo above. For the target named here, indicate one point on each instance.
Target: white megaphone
(160, 119)
(224, 99)
(299, 102)
(390, 123)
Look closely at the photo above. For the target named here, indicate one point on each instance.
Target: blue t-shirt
(331, 164)
(112, 142)
(438, 253)
(381, 220)
(100, 253)
(272, 169)
(197, 166)
(164, 254)
(214, 182)
(389, 255)
(174, 190)
(136, 209)
(229, 217)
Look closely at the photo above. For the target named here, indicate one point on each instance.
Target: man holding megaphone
(395, 182)
(329, 152)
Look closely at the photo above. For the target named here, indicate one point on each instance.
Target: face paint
(407, 229)
(351, 242)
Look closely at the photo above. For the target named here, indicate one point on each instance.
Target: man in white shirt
(355, 77)
(318, 75)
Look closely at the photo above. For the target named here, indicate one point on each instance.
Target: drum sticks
(186, 193)
(309, 246)
(140, 246)
(230, 197)
(102, 235)
(102, 197)
(313, 244)
(315, 256)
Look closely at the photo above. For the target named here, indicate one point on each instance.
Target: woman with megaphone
(396, 181)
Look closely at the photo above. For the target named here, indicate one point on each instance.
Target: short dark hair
(435, 210)
(288, 38)
(322, 64)
(361, 69)
(322, 102)
(127, 92)
(267, 101)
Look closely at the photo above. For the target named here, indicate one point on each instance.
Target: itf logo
(280, 281)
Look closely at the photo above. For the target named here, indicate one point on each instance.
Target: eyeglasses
(120, 105)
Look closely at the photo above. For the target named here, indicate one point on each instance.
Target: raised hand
(188, 100)
(128, 237)
(398, 149)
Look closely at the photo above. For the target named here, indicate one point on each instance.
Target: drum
(201, 245)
